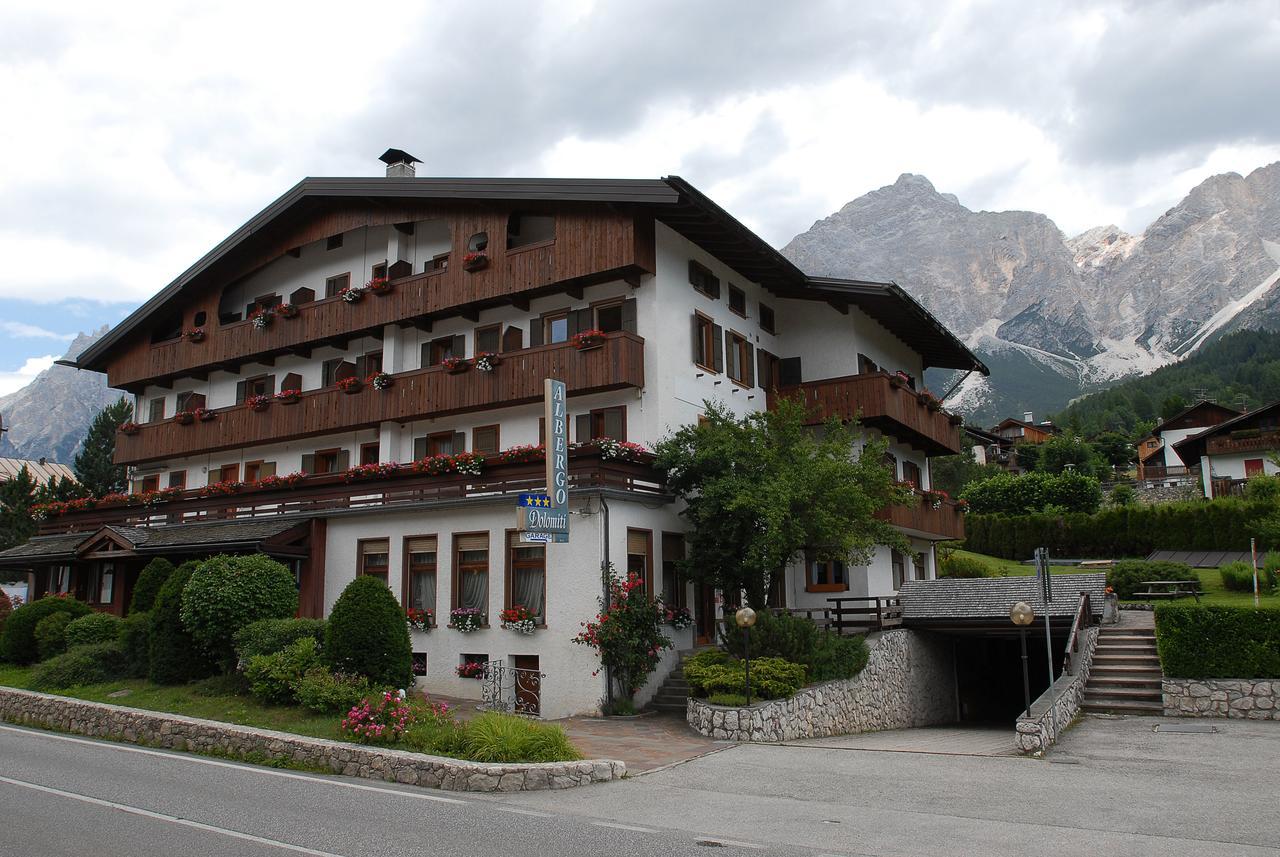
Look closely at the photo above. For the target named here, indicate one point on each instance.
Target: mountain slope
(48, 418)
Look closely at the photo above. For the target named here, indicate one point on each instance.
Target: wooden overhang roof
(1203, 405)
(671, 200)
(1194, 446)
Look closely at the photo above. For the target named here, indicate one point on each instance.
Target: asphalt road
(1114, 787)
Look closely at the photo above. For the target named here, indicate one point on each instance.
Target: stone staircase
(673, 695)
(1125, 678)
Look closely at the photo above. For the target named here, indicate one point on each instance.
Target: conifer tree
(94, 466)
(16, 498)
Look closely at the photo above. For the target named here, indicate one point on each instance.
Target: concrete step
(1119, 693)
(1125, 650)
(1104, 681)
(673, 698)
(1151, 661)
(1127, 635)
(1102, 706)
(668, 706)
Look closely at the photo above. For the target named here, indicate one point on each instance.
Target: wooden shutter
(362, 366)
(586, 320)
(424, 356)
(459, 442)
(474, 542)
(459, 346)
(345, 369)
(582, 427)
(344, 460)
(419, 448)
(749, 364)
(535, 332)
(309, 463)
(615, 423)
(629, 315)
(789, 372)
(762, 369)
(512, 338)
(271, 385)
(638, 542)
(240, 387)
(292, 381)
(717, 347)
(698, 356)
(266, 468)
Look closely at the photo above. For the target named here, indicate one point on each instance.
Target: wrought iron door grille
(515, 691)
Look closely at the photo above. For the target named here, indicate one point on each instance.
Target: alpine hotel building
(358, 323)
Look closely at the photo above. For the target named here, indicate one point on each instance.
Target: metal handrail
(1083, 619)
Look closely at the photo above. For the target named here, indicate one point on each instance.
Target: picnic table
(1170, 589)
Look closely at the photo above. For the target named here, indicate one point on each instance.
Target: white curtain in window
(530, 591)
(422, 591)
(474, 590)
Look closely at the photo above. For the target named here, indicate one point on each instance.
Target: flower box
(418, 620)
(587, 340)
(184, 418)
(262, 319)
(350, 385)
(456, 365)
(258, 403)
(205, 415)
(379, 286)
(194, 335)
(288, 397)
(351, 295)
(679, 618)
(471, 669)
(475, 262)
(466, 619)
(518, 619)
(487, 361)
(381, 381)
(129, 429)
(287, 311)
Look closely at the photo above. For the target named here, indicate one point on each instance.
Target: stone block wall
(1057, 707)
(174, 732)
(909, 680)
(1244, 699)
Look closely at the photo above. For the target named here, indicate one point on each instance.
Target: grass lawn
(1007, 567)
(211, 699)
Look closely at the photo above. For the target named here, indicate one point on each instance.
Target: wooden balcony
(883, 403)
(921, 518)
(415, 395)
(317, 495)
(1243, 441)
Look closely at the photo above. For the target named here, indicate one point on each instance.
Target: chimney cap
(398, 156)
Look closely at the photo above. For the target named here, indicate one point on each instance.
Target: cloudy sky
(137, 140)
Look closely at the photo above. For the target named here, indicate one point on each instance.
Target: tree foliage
(94, 466)
(17, 496)
(951, 473)
(148, 586)
(19, 642)
(759, 491)
(367, 634)
(173, 655)
(1007, 494)
(627, 634)
(226, 593)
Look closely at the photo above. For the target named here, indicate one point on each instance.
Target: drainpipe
(604, 584)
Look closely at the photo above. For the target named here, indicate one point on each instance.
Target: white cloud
(22, 330)
(11, 382)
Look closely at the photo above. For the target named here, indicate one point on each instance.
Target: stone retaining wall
(175, 732)
(1057, 707)
(909, 680)
(1245, 699)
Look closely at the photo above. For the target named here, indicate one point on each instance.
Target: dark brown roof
(1206, 409)
(1194, 446)
(673, 201)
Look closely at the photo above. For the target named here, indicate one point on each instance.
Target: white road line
(160, 816)
(519, 811)
(630, 827)
(730, 843)
(199, 760)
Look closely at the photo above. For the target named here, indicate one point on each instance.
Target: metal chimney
(399, 163)
(1026, 416)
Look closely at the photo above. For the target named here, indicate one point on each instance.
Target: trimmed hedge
(1218, 642)
(226, 593)
(953, 564)
(135, 640)
(19, 643)
(91, 629)
(825, 655)
(1005, 493)
(174, 657)
(1125, 576)
(1225, 524)
(81, 665)
(268, 636)
(275, 677)
(713, 673)
(367, 634)
(51, 635)
(148, 586)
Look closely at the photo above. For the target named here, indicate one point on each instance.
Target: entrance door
(705, 613)
(528, 684)
(1252, 467)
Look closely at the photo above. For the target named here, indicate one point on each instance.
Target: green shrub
(494, 737)
(1263, 488)
(733, 700)
(94, 628)
(824, 654)
(366, 634)
(436, 733)
(957, 565)
(1122, 495)
(1271, 565)
(1007, 494)
(1218, 642)
(51, 635)
(1237, 576)
(771, 678)
(268, 636)
(319, 689)
(1127, 574)
(135, 640)
(148, 586)
(6, 607)
(19, 643)
(226, 593)
(173, 655)
(837, 658)
(82, 665)
(274, 678)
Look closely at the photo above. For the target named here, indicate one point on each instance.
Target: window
(485, 438)
(1152, 444)
(737, 300)
(374, 558)
(177, 479)
(825, 575)
(525, 229)
(701, 278)
(166, 329)
(512, 338)
(335, 284)
(776, 596)
(260, 385)
(439, 443)
(911, 473)
(766, 319)
(156, 414)
(379, 271)
(333, 242)
(105, 584)
(369, 364)
(255, 470)
(609, 317)
(891, 461)
(189, 401)
(555, 328)
(640, 556)
(739, 359)
(262, 302)
(527, 576)
(438, 262)
(766, 369)
(489, 338)
(199, 319)
(150, 483)
(708, 338)
(333, 371)
(918, 566)
(471, 571)
(899, 563)
(324, 461)
(369, 452)
(229, 473)
(420, 574)
(600, 423)
(673, 583)
(438, 350)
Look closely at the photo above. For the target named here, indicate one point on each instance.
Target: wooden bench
(1170, 589)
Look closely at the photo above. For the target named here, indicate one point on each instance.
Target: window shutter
(362, 366)
(789, 372)
(535, 332)
(698, 356)
(345, 369)
(459, 442)
(715, 287)
(638, 542)
(375, 546)
(344, 460)
(615, 423)
(419, 448)
(425, 544)
(424, 355)
(629, 315)
(474, 542)
(195, 400)
(309, 463)
(267, 468)
(762, 369)
(459, 346)
(582, 427)
(717, 347)
(749, 364)
(240, 386)
(586, 320)
(512, 338)
(271, 385)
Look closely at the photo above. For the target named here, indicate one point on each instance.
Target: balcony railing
(414, 395)
(928, 517)
(335, 492)
(1244, 441)
(881, 402)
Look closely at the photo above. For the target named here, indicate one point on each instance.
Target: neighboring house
(692, 306)
(41, 470)
(988, 447)
(1157, 458)
(1012, 433)
(1235, 449)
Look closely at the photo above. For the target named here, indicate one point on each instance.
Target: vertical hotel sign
(557, 420)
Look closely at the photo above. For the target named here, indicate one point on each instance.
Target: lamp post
(1022, 616)
(746, 617)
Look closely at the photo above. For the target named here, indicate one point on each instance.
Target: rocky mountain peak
(1101, 246)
